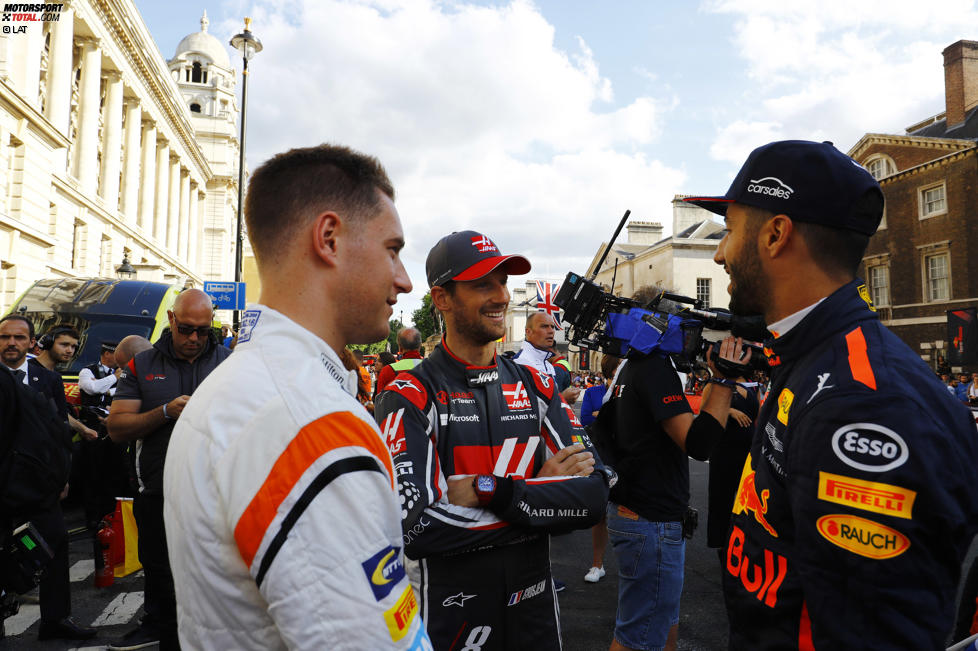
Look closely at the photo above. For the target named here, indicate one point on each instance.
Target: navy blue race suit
(857, 502)
(485, 573)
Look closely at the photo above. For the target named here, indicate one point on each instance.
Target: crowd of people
(288, 497)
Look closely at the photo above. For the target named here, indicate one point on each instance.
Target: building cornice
(32, 117)
(921, 142)
(128, 29)
(937, 162)
(69, 189)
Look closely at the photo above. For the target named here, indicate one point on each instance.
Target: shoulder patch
(410, 387)
(544, 383)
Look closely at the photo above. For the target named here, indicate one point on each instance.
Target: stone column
(147, 179)
(200, 232)
(130, 166)
(162, 192)
(183, 236)
(86, 142)
(173, 214)
(111, 141)
(23, 61)
(58, 92)
(192, 227)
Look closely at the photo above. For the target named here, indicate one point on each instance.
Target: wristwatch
(485, 488)
(610, 476)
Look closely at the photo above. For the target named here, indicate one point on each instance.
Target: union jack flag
(545, 300)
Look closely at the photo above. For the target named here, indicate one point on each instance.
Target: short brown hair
(293, 187)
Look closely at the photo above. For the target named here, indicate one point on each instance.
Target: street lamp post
(248, 45)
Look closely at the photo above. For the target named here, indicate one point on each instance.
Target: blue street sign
(226, 296)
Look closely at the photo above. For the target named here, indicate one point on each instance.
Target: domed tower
(203, 73)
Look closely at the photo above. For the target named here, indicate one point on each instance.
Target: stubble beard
(475, 331)
(750, 288)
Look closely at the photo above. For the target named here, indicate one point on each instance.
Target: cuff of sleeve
(503, 495)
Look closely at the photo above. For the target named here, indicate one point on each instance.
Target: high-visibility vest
(405, 364)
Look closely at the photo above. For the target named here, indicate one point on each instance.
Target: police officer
(857, 503)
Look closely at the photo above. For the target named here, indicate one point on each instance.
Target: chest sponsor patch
(869, 447)
(862, 536)
(400, 616)
(481, 377)
(749, 501)
(517, 399)
(784, 405)
(760, 574)
(527, 593)
(384, 570)
(877, 497)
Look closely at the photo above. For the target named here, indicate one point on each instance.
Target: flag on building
(545, 300)
(962, 334)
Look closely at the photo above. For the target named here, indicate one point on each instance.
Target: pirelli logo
(877, 497)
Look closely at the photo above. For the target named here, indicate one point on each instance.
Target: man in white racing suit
(281, 515)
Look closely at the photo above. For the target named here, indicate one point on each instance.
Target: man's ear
(440, 299)
(326, 230)
(775, 236)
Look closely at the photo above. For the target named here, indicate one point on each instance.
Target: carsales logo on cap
(483, 244)
(771, 186)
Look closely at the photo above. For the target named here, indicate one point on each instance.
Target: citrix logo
(781, 190)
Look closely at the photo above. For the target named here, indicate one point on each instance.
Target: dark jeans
(160, 601)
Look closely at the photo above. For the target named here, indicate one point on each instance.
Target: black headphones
(47, 339)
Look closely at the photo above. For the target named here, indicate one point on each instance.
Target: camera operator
(655, 431)
(857, 502)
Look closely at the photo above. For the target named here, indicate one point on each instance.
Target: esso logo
(869, 447)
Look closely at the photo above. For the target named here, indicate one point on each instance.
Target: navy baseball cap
(467, 255)
(808, 181)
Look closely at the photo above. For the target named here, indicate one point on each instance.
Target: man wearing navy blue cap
(856, 504)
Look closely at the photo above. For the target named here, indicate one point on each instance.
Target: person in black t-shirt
(655, 430)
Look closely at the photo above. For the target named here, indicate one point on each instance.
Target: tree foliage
(424, 318)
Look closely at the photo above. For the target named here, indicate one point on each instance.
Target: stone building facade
(922, 261)
(107, 150)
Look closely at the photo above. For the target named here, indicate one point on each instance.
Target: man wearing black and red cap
(489, 460)
(857, 502)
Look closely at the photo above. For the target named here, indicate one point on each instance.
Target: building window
(881, 166)
(195, 74)
(703, 291)
(938, 277)
(195, 108)
(879, 285)
(933, 201)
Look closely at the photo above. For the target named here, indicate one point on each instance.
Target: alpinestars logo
(483, 244)
(404, 384)
(771, 186)
(516, 396)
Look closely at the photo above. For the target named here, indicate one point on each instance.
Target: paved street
(587, 610)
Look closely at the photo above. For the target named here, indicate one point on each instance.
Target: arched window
(880, 166)
(195, 108)
(197, 73)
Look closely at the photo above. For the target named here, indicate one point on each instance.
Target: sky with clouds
(539, 123)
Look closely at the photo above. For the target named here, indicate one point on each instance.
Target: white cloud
(736, 140)
(836, 69)
(481, 121)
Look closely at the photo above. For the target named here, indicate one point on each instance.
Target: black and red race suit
(485, 572)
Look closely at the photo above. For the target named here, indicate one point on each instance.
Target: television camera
(670, 325)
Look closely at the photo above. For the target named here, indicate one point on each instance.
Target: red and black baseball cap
(808, 181)
(467, 255)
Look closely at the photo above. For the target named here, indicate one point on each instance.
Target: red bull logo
(763, 581)
(749, 501)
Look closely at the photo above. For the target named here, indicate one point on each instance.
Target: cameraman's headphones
(47, 339)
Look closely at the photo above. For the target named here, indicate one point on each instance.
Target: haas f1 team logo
(516, 396)
(749, 501)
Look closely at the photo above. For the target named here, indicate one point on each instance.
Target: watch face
(486, 483)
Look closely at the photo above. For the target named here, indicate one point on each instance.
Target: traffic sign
(226, 296)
